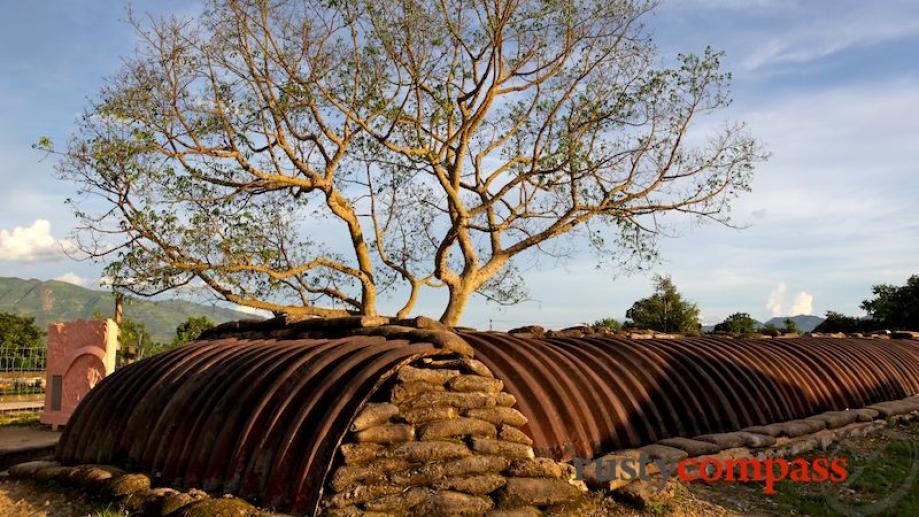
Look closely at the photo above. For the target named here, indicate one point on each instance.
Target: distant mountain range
(50, 301)
(805, 322)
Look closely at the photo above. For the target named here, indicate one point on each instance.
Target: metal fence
(22, 378)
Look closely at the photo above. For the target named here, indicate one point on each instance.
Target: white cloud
(32, 244)
(778, 303)
(774, 303)
(803, 304)
(733, 5)
(72, 278)
(808, 38)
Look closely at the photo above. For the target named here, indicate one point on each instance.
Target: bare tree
(446, 140)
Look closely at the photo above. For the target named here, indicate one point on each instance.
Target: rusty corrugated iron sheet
(258, 418)
(591, 395)
(262, 418)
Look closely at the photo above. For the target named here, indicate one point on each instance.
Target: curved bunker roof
(590, 395)
(258, 418)
(263, 418)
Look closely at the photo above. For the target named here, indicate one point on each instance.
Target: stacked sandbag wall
(444, 439)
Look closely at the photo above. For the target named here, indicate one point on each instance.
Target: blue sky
(831, 87)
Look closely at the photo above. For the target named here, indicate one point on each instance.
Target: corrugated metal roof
(257, 418)
(591, 395)
(262, 418)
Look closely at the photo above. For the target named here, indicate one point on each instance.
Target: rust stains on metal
(258, 418)
(590, 395)
(263, 418)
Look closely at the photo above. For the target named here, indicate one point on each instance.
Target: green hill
(804, 322)
(52, 301)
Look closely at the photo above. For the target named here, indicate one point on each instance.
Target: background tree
(22, 343)
(838, 322)
(135, 334)
(895, 307)
(665, 310)
(608, 324)
(737, 323)
(770, 330)
(443, 141)
(191, 329)
(790, 327)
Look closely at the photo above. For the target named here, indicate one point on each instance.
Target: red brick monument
(80, 354)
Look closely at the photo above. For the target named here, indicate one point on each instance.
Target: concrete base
(19, 444)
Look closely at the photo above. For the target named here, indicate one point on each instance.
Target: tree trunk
(459, 296)
(369, 300)
(410, 303)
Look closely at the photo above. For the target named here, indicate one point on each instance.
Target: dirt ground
(23, 437)
(884, 480)
(28, 499)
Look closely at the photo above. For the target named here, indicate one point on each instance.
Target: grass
(93, 505)
(19, 418)
(109, 511)
(883, 481)
(659, 508)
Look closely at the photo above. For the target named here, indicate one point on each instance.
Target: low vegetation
(883, 480)
(19, 418)
(608, 324)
